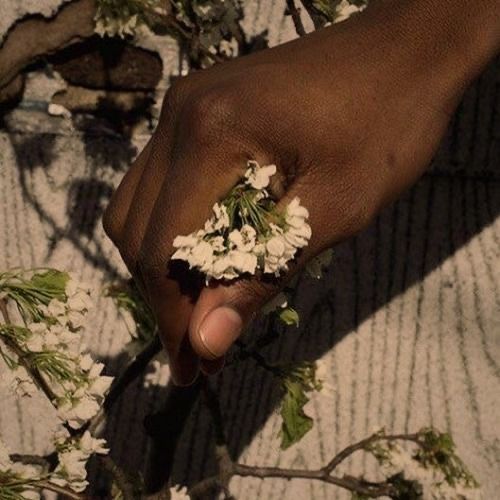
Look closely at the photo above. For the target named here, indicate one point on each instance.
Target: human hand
(351, 115)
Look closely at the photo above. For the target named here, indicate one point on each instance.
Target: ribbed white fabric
(406, 321)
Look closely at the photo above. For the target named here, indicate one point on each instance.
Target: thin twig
(294, 12)
(350, 483)
(228, 468)
(129, 374)
(363, 445)
(120, 478)
(23, 359)
(65, 492)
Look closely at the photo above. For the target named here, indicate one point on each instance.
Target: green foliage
(289, 316)
(437, 450)
(12, 486)
(406, 489)
(33, 288)
(122, 17)
(298, 380)
(328, 8)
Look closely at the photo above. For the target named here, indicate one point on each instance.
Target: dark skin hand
(351, 115)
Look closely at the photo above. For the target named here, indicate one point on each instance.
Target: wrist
(456, 38)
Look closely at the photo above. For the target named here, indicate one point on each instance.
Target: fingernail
(220, 328)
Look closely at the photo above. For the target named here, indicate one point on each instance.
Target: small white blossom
(202, 256)
(258, 177)
(243, 262)
(221, 217)
(56, 308)
(100, 385)
(179, 493)
(243, 239)
(90, 445)
(344, 10)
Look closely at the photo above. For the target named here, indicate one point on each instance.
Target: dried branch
(228, 468)
(294, 12)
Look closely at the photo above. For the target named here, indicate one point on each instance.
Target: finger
(222, 311)
(197, 180)
(118, 207)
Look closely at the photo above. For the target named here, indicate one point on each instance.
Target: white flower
(179, 493)
(38, 327)
(217, 244)
(298, 237)
(78, 412)
(221, 217)
(242, 261)
(86, 362)
(35, 343)
(188, 241)
(229, 48)
(89, 445)
(56, 308)
(80, 301)
(95, 370)
(223, 269)
(243, 239)
(202, 256)
(257, 176)
(100, 386)
(275, 246)
(71, 470)
(76, 319)
(345, 9)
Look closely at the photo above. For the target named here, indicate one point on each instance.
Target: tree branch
(295, 15)
(228, 468)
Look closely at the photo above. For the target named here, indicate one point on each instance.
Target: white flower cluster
(246, 232)
(81, 401)
(79, 386)
(432, 481)
(73, 455)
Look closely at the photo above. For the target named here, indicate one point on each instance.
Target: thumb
(222, 311)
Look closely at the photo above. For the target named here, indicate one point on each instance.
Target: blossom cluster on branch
(247, 232)
(43, 316)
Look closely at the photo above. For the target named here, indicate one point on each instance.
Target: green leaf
(289, 316)
(296, 424)
(297, 382)
(52, 281)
